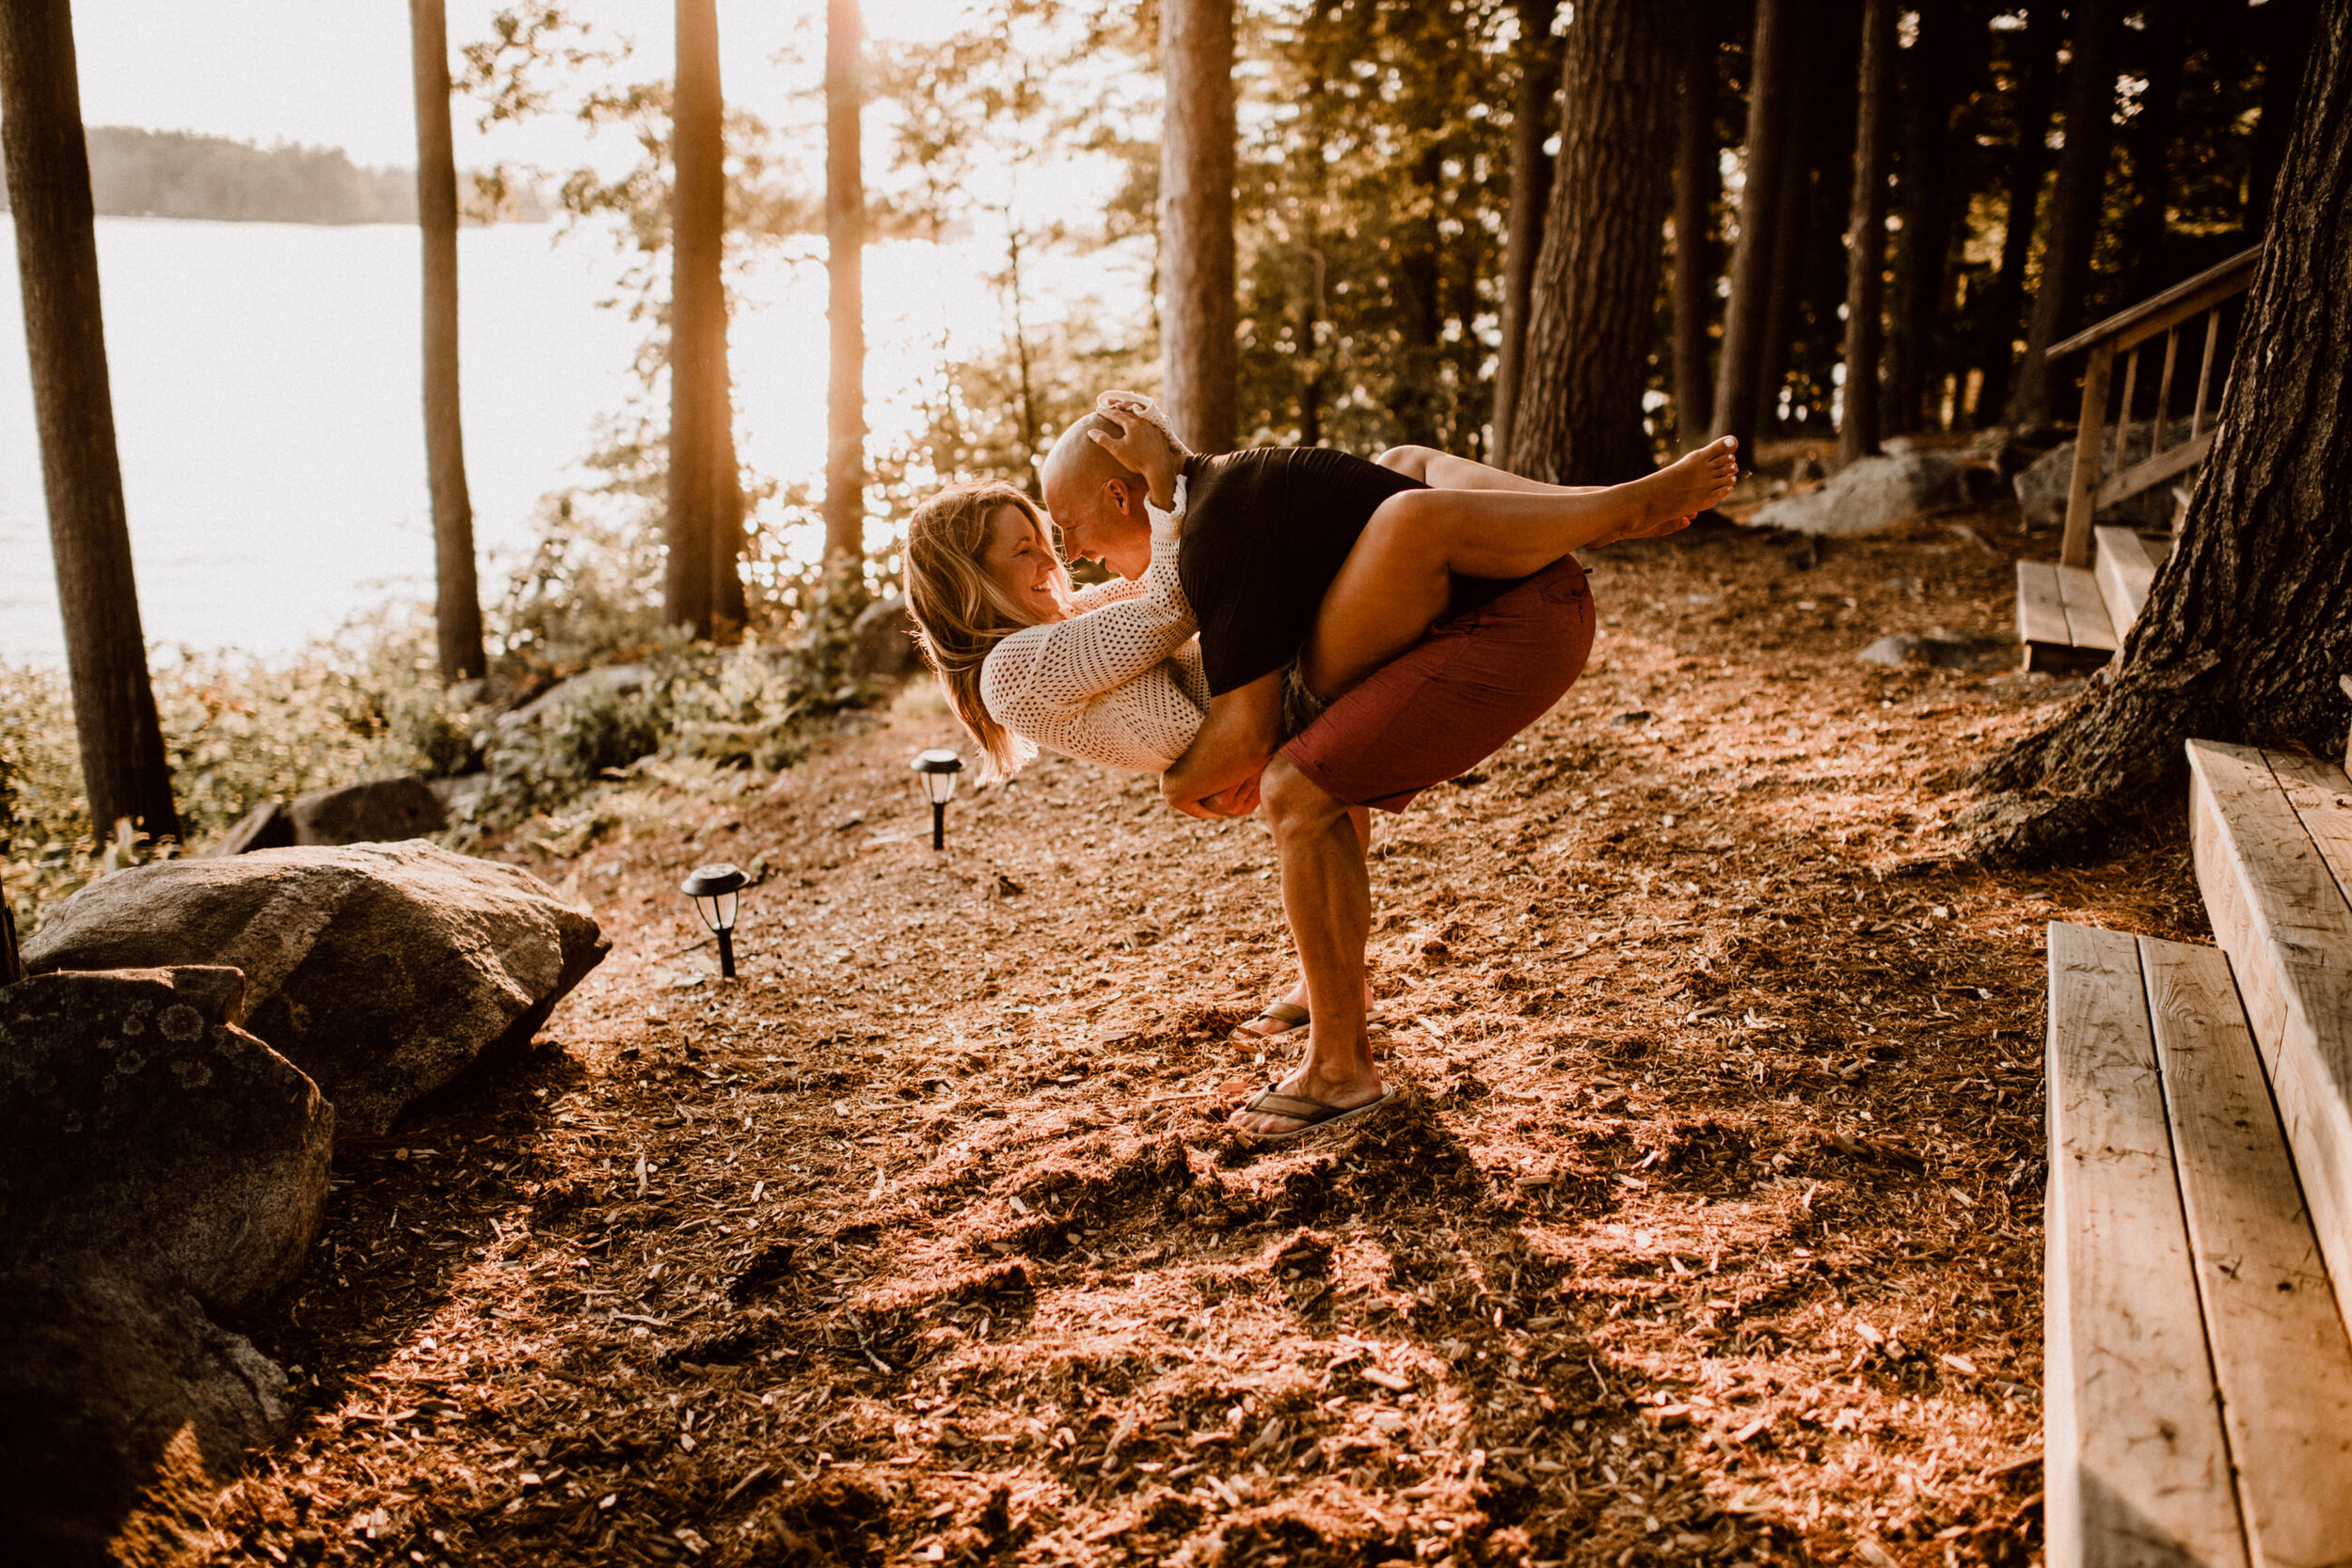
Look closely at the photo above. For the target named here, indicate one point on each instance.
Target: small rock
(381, 969)
(128, 1411)
(267, 826)
(618, 680)
(139, 1122)
(881, 641)
(1630, 721)
(1973, 651)
(381, 811)
(1869, 494)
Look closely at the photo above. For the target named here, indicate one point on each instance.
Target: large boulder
(1869, 494)
(882, 639)
(2045, 486)
(381, 969)
(127, 1411)
(139, 1122)
(379, 811)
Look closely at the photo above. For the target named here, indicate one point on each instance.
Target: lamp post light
(713, 888)
(939, 768)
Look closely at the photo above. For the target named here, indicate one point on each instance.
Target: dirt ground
(1708, 1230)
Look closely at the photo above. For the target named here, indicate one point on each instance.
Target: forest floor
(1708, 1230)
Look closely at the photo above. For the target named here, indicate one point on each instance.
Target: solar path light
(713, 888)
(939, 768)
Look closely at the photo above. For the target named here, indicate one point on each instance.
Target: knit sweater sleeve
(1107, 685)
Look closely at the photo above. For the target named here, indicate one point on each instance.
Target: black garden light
(713, 888)
(939, 768)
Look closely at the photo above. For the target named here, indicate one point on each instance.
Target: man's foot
(1684, 488)
(1281, 1018)
(1332, 1097)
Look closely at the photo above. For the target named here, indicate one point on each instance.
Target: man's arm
(1219, 775)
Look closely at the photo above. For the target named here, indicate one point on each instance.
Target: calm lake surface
(268, 405)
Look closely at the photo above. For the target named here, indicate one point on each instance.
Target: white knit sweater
(1119, 681)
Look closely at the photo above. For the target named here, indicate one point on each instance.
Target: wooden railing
(2100, 481)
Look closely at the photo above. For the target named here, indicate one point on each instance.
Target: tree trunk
(2286, 58)
(1593, 312)
(458, 602)
(2149, 139)
(1198, 355)
(1790, 227)
(1866, 235)
(844, 242)
(1532, 122)
(1771, 120)
(2245, 633)
(2036, 92)
(705, 504)
(2074, 207)
(1698, 181)
(124, 769)
(1923, 257)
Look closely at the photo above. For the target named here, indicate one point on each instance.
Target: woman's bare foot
(1679, 492)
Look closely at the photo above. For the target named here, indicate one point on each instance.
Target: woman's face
(1022, 559)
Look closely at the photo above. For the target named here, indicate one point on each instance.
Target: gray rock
(381, 969)
(2043, 485)
(462, 797)
(139, 1122)
(267, 826)
(1870, 493)
(881, 641)
(381, 811)
(127, 1411)
(1940, 651)
(616, 680)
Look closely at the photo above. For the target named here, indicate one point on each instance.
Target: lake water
(268, 405)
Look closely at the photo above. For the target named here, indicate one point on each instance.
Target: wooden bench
(2199, 1399)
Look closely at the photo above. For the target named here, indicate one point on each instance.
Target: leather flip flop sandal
(1290, 1015)
(1314, 1113)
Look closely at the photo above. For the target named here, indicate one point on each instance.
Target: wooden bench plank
(2086, 621)
(2041, 615)
(2124, 571)
(2135, 1464)
(2279, 912)
(2280, 1355)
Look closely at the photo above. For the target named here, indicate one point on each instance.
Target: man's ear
(1126, 498)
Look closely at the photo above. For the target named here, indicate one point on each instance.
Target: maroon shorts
(1453, 698)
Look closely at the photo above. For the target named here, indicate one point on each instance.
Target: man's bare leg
(1296, 995)
(1326, 893)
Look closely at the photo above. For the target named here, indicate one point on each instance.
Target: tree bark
(2149, 138)
(1532, 123)
(125, 772)
(2074, 207)
(1789, 226)
(1769, 122)
(1593, 316)
(1698, 181)
(1198, 356)
(2285, 60)
(2036, 93)
(704, 501)
(1922, 260)
(2244, 633)
(457, 602)
(1866, 235)
(845, 241)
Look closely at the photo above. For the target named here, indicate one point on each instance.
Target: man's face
(1105, 522)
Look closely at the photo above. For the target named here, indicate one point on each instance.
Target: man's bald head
(1097, 502)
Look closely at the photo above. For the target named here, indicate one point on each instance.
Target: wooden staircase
(2072, 617)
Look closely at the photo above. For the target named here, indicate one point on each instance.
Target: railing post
(2074, 549)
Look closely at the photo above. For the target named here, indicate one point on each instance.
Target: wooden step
(2061, 618)
(2183, 1278)
(2272, 837)
(2124, 565)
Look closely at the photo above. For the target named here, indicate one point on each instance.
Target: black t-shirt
(1265, 533)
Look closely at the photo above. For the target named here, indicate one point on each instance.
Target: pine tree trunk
(1698, 181)
(2029, 164)
(2286, 58)
(2074, 208)
(2244, 631)
(700, 515)
(1771, 121)
(844, 232)
(1791, 230)
(1922, 260)
(457, 602)
(2149, 141)
(124, 769)
(1865, 234)
(1532, 124)
(1198, 354)
(1593, 317)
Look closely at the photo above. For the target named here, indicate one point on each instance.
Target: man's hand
(1219, 775)
(1239, 799)
(1144, 443)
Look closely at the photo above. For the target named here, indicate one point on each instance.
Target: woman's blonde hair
(960, 612)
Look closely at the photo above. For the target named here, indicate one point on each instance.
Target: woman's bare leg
(1442, 470)
(1398, 579)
